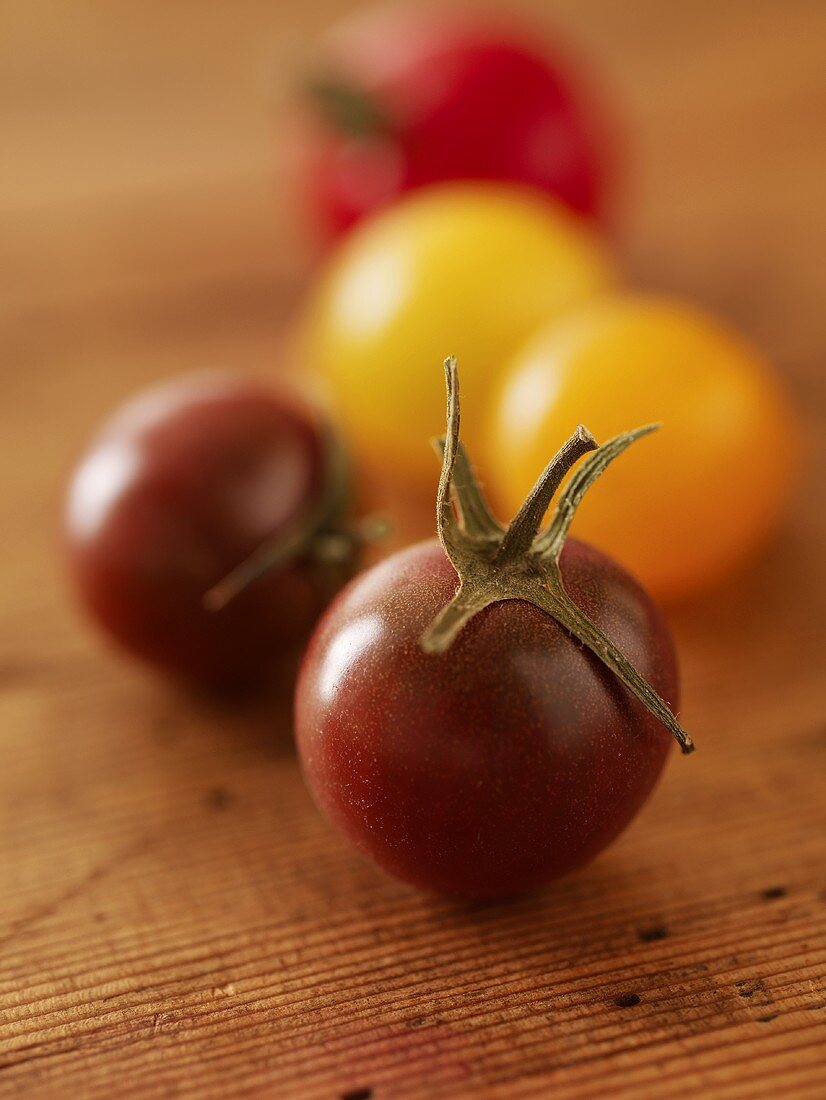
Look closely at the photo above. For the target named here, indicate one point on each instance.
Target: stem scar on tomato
(521, 561)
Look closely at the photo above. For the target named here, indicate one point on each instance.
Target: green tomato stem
(495, 564)
(322, 537)
(347, 109)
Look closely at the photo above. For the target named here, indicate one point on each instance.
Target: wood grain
(175, 918)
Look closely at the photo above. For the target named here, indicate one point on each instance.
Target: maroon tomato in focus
(182, 485)
(509, 760)
(485, 713)
(406, 97)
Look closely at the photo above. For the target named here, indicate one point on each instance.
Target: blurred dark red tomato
(182, 485)
(406, 97)
(500, 764)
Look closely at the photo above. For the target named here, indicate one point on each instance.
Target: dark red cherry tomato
(484, 715)
(182, 485)
(493, 768)
(405, 97)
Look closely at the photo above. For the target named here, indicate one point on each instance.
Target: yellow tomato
(462, 269)
(682, 507)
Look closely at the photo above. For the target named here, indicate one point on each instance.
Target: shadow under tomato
(256, 718)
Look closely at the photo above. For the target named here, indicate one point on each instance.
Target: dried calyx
(347, 109)
(322, 536)
(522, 561)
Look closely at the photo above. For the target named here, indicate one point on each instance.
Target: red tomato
(484, 715)
(499, 765)
(181, 486)
(406, 97)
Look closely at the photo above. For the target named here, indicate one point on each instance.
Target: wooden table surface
(176, 919)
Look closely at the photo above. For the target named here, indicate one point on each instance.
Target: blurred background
(146, 229)
(145, 226)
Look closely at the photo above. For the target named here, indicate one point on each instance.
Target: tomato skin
(180, 487)
(510, 759)
(687, 506)
(463, 269)
(455, 97)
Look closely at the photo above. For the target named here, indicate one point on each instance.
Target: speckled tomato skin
(493, 768)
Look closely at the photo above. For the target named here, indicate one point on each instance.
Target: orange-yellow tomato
(685, 505)
(460, 269)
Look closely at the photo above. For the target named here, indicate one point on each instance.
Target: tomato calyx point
(347, 109)
(322, 536)
(521, 561)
